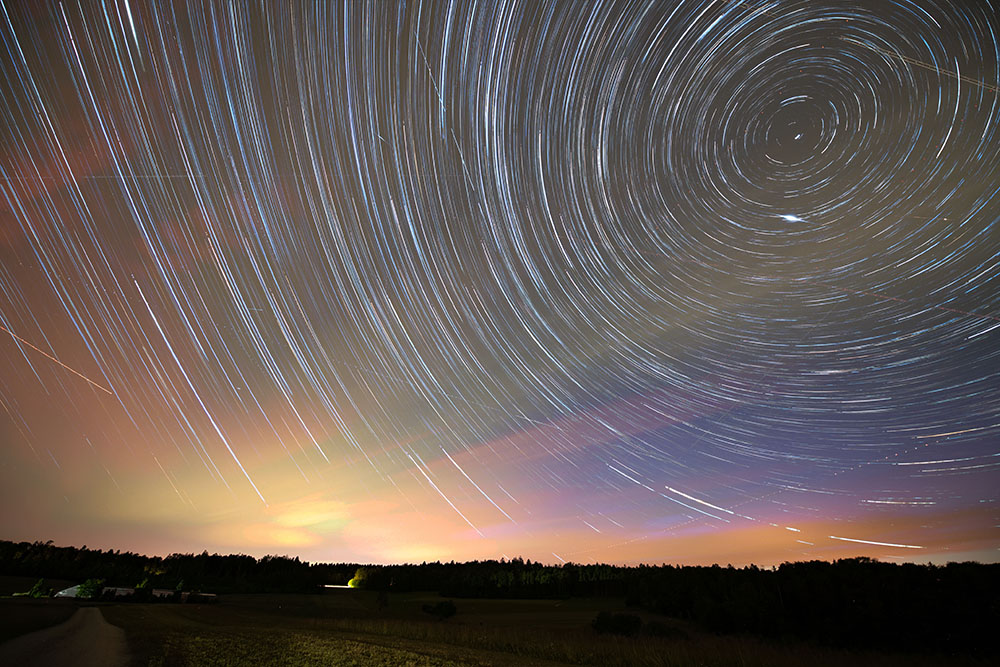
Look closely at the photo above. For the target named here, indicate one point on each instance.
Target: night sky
(683, 282)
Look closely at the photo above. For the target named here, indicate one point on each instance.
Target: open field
(346, 627)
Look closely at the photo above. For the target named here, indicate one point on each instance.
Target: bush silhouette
(442, 610)
(663, 631)
(39, 590)
(616, 624)
(91, 588)
(359, 579)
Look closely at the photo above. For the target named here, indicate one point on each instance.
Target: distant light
(792, 218)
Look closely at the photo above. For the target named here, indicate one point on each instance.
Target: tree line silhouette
(853, 602)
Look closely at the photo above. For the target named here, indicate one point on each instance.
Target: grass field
(345, 627)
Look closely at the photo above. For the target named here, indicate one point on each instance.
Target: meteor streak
(51, 358)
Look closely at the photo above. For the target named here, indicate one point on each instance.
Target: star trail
(668, 281)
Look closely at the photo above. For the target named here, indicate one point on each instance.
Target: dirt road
(85, 640)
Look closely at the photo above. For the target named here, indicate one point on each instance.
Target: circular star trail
(601, 281)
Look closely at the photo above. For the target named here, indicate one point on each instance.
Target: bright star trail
(684, 282)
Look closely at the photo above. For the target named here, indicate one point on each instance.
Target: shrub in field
(442, 610)
(91, 588)
(616, 624)
(359, 579)
(662, 631)
(39, 590)
(143, 592)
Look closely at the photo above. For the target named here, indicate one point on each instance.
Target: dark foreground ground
(347, 627)
(85, 640)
